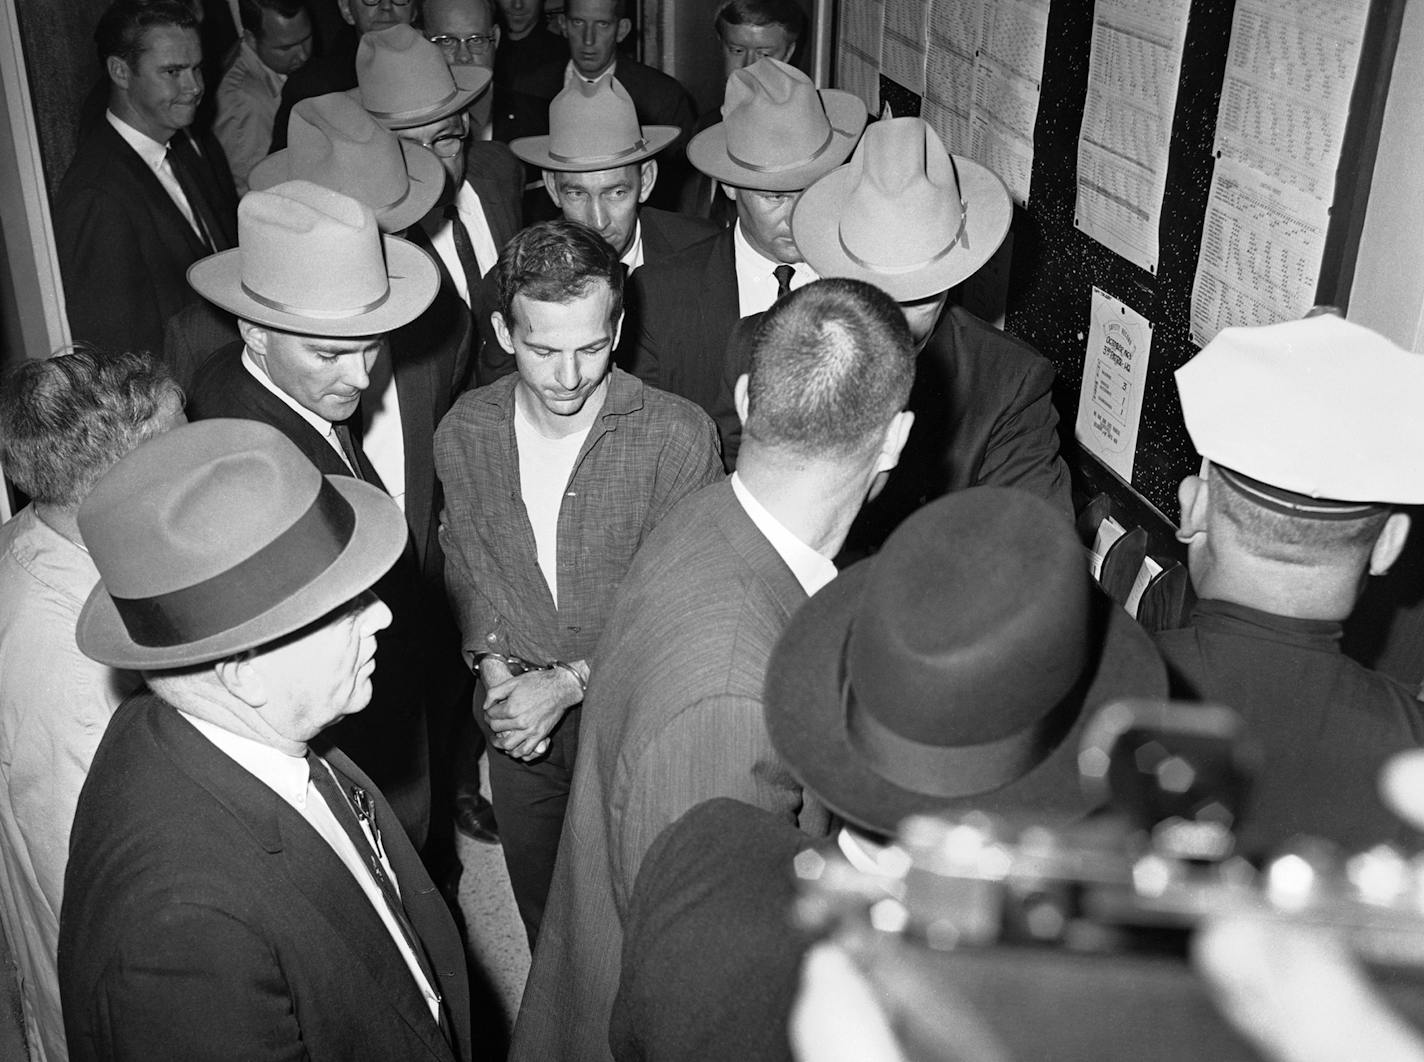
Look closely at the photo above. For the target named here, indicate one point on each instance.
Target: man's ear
(241, 679)
(501, 332)
(1390, 543)
(625, 26)
(618, 328)
(729, 191)
(344, 6)
(551, 185)
(495, 33)
(647, 177)
(1193, 496)
(118, 70)
(254, 337)
(563, 26)
(739, 398)
(896, 433)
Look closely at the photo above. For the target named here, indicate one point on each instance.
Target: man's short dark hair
(557, 261)
(122, 27)
(831, 364)
(250, 12)
(65, 420)
(620, 8)
(785, 13)
(1276, 536)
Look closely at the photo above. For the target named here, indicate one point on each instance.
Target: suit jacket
(688, 306)
(204, 918)
(673, 717)
(664, 235)
(333, 72)
(124, 247)
(388, 739)
(718, 885)
(498, 177)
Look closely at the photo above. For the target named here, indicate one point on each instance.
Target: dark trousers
(529, 801)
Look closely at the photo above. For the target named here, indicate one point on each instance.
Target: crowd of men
(401, 431)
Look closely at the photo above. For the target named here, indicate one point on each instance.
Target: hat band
(291, 561)
(1292, 503)
(914, 267)
(579, 160)
(946, 771)
(313, 312)
(757, 167)
(402, 116)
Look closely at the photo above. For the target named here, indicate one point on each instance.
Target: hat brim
(412, 275)
(422, 168)
(809, 729)
(988, 210)
(535, 151)
(377, 541)
(470, 81)
(708, 150)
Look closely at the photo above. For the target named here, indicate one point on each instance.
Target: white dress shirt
(812, 570)
(442, 237)
(156, 156)
(289, 778)
(756, 275)
(633, 256)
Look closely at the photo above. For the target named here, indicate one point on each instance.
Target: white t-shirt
(544, 469)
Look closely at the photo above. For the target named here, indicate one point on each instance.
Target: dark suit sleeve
(191, 983)
(493, 361)
(1023, 446)
(646, 361)
(108, 294)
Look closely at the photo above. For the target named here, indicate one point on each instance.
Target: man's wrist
(578, 676)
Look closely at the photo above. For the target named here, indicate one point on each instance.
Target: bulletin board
(1055, 266)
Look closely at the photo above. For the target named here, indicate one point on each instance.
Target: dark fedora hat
(956, 669)
(221, 536)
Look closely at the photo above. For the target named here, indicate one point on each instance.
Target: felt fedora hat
(402, 79)
(313, 261)
(221, 536)
(903, 214)
(956, 668)
(333, 142)
(778, 133)
(593, 127)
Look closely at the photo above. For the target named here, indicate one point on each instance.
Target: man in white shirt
(777, 137)
(142, 200)
(599, 165)
(316, 289)
(276, 40)
(675, 713)
(236, 885)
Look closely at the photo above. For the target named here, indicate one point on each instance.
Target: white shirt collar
(321, 424)
(812, 570)
(633, 256)
(756, 274)
(571, 72)
(284, 774)
(150, 150)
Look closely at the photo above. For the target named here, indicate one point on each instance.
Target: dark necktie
(783, 273)
(349, 449)
(465, 250)
(189, 171)
(349, 812)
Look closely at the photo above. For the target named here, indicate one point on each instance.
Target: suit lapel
(261, 404)
(153, 191)
(308, 862)
(758, 553)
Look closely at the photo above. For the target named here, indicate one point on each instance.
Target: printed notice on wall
(984, 75)
(902, 52)
(862, 27)
(1114, 375)
(1133, 70)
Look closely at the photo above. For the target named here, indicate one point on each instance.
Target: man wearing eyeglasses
(336, 70)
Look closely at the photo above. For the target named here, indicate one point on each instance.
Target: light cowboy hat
(313, 261)
(903, 214)
(333, 142)
(956, 669)
(402, 79)
(221, 536)
(593, 127)
(777, 134)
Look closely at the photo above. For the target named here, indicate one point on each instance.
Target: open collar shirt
(643, 454)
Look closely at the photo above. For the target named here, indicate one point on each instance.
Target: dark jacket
(204, 918)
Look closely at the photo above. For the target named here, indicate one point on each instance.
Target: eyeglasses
(475, 42)
(448, 145)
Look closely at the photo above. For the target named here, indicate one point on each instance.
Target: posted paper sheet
(1133, 69)
(862, 28)
(902, 53)
(1114, 375)
(984, 77)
